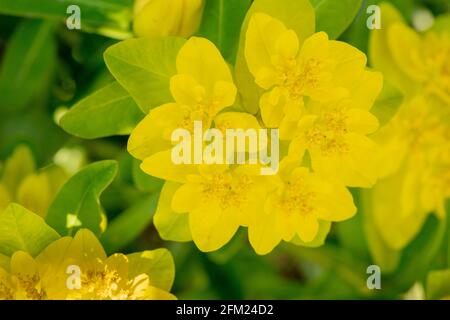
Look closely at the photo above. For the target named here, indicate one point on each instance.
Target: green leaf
(107, 112)
(419, 255)
(297, 15)
(143, 181)
(129, 224)
(22, 230)
(144, 68)
(333, 16)
(222, 20)
(157, 264)
(319, 240)
(107, 17)
(438, 284)
(77, 204)
(27, 64)
(387, 103)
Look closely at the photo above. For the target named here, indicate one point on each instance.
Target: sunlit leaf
(144, 67)
(23, 230)
(107, 112)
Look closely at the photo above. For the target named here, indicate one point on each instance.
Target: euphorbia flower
(296, 207)
(153, 18)
(319, 69)
(217, 198)
(201, 89)
(335, 135)
(411, 61)
(117, 277)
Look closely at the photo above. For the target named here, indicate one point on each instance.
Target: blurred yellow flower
(414, 164)
(414, 62)
(153, 18)
(21, 183)
(415, 170)
(53, 273)
(319, 69)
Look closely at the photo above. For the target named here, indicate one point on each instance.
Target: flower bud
(154, 18)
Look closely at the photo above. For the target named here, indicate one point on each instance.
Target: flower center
(230, 192)
(201, 111)
(296, 79)
(328, 133)
(6, 293)
(30, 284)
(104, 284)
(298, 198)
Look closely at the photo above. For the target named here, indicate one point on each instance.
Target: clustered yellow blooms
(21, 183)
(317, 93)
(154, 18)
(415, 144)
(48, 276)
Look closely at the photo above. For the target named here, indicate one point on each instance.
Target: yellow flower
(335, 135)
(414, 164)
(290, 71)
(217, 198)
(201, 89)
(411, 61)
(299, 204)
(415, 170)
(167, 18)
(21, 183)
(53, 273)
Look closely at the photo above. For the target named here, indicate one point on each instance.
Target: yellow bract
(77, 268)
(201, 89)
(301, 199)
(153, 18)
(415, 144)
(321, 69)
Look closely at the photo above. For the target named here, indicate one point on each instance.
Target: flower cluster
(317, 92)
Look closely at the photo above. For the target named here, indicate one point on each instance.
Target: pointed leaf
(107, 112)
(77, 204)
(144, 68)
(23, 230)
